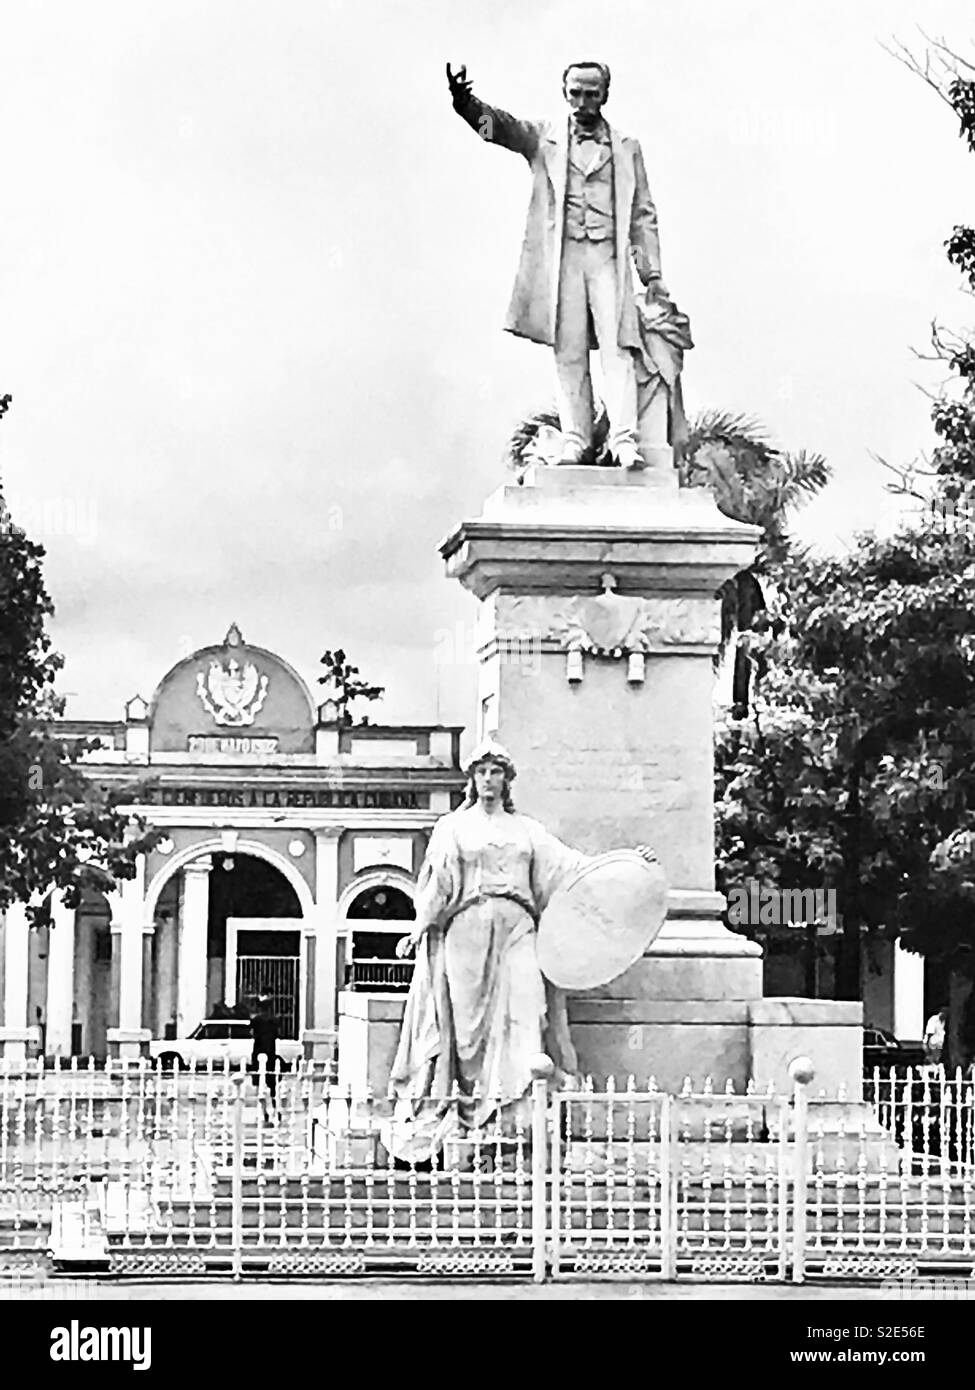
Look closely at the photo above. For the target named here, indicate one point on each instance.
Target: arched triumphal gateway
(288, 865)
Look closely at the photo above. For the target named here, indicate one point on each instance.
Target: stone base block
(668, 1040)
(368, 1034)
(828, 1031)
(758, 1158)
(660, 976)
(128, 1042)
(17, 1044)
(318, 1044)
(736, 1040)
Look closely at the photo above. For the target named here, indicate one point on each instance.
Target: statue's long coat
(545, 144)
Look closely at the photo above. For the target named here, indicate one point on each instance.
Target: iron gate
(653, 1185)
(279, 978)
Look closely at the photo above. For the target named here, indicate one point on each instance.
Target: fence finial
(542, 1066)
(802, 1070)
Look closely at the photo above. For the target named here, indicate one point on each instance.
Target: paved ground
(414, 1290)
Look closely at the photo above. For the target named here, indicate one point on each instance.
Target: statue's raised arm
(490, 122)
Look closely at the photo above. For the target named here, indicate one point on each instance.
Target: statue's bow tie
(596, 133)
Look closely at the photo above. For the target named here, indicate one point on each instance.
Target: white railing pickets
(667, 1203)
(522, 1178)
(391, 1188)
(557, 1114)
(727, 1181)
(882, 1184)
(497, 1152)
(191, 1176)
(777, 1178)
(92, 1131)
(192, 1169)
(631, 1188)
(21, 1131)
(949, 1146)
(610, 1156)
(681, 1175)
(237, 1179)
(563, 1174)
(541, 1072)
(6, 1111)
(801, 1076)
(40, 1118)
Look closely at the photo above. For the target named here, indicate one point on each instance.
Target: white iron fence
(131, 1171)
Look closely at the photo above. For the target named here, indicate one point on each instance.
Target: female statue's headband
(489, 750)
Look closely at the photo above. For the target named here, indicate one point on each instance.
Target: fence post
(542, 1069)
(802, 1071)
(668, 1193)
(237, 1178)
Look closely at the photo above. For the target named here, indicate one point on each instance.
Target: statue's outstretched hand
(459, 84)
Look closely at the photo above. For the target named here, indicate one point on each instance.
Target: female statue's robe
(478, 1011)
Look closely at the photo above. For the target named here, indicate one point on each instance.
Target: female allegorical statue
(479, 1010)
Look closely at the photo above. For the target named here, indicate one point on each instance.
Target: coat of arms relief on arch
(233, 694)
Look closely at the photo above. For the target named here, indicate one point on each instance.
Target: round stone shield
(602, 920)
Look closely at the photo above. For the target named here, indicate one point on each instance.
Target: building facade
(291, 848)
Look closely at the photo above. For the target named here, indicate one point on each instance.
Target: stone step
(354, 1186)
(696, 1157)
(694, 1211)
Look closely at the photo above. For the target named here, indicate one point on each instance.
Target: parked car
(222, 1041)
(882, 1050)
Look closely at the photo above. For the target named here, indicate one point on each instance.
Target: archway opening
(247, 962)
(383, 902)
(253, 945)
(377, 918)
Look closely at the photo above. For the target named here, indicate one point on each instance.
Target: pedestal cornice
(562, 535)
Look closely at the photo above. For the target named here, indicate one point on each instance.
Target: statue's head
(490, 773)
(586, 89)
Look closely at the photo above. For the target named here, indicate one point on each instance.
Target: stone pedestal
(598, 624)
(597, 628)
(368, 1033)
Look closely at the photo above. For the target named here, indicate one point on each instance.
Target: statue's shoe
(573, 453)
(628, 456)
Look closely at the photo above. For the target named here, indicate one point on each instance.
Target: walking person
(265, 1032)
(934, 1038)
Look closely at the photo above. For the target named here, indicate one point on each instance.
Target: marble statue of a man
(590, 219)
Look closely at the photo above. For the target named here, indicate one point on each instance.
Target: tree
(854, 770)
(755, 482)
(345, 681)
(859, 750)
(58, 831)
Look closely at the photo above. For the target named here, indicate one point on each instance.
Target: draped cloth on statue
(479, 1010)
(665, 335)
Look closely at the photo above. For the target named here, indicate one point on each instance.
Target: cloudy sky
(253, 273)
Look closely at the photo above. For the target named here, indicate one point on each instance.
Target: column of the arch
(128, 922)
(320, 1035)
(908, 993)
(59, 1010)
(15, 1034)
(194, 911)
